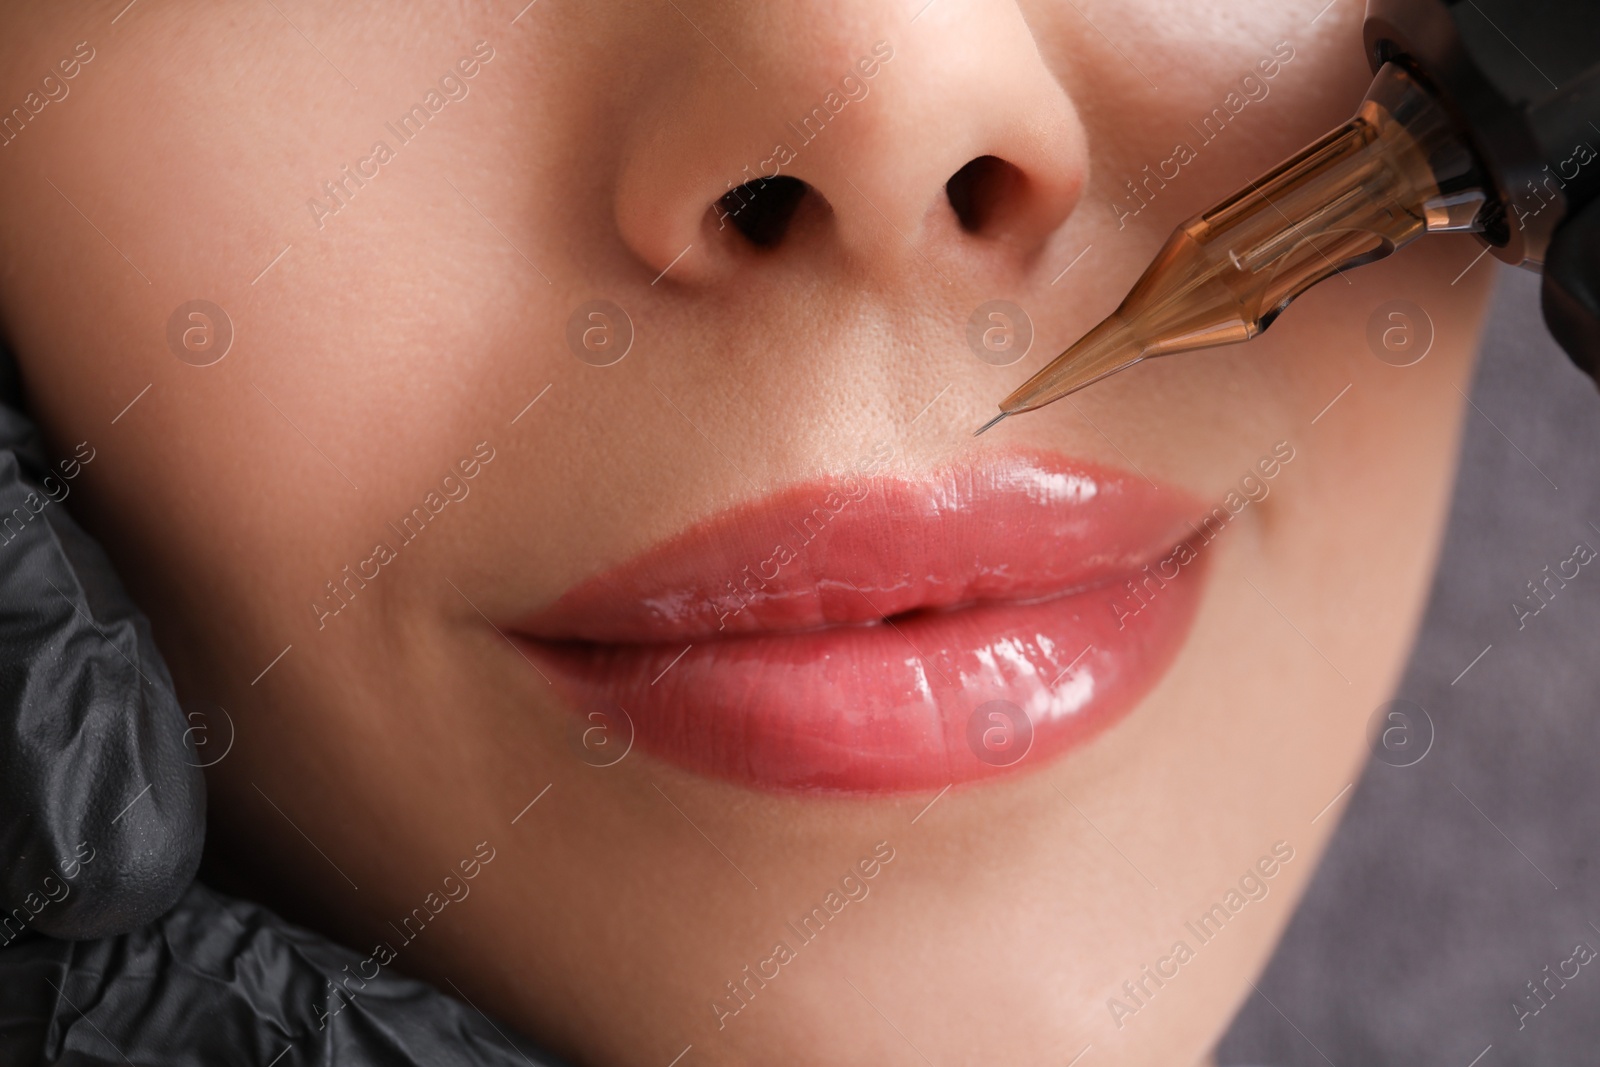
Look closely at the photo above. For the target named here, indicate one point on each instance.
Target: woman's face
(525, 443)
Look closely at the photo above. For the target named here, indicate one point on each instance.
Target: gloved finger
(102, 804)
(1571, 290)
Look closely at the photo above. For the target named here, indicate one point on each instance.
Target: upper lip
(1003, 526)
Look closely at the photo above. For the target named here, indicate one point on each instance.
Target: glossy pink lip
(852, 637)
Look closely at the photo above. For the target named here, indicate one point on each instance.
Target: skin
(420, 320)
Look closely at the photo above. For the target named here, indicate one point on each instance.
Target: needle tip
(980, 431)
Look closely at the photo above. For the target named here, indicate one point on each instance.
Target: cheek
(347, 403)
(1196, 55)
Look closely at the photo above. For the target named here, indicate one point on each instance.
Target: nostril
(762, 210)
(983, 191)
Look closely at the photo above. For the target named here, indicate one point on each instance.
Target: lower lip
(914, 703)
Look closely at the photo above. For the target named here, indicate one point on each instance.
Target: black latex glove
(1571, 294)
(102, 803)
(218, 981)
(102, 820)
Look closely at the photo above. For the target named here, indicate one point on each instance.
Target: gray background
(1427, 916)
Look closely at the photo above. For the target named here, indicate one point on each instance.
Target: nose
(887, 135)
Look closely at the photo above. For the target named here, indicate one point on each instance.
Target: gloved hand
(218, 981)
(102, 803)
(1571, 291)
(102, 821)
